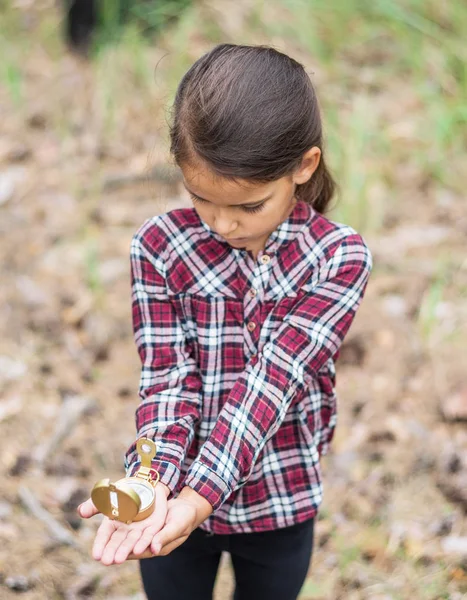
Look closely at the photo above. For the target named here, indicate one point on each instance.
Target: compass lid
(121, 503)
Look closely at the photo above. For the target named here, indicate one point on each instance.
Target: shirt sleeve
(310, 335)
(170, 386)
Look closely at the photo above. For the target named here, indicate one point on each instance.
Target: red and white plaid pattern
(237, 381)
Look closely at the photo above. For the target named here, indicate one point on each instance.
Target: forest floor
(82, 165)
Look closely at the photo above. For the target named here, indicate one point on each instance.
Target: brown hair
(250, 112)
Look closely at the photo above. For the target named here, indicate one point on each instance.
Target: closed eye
(249, 209)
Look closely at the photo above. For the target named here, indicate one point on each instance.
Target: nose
(224, 226)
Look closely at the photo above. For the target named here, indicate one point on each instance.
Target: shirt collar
(286, 231)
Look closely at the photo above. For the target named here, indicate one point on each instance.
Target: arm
(310, 334)
(170, 386)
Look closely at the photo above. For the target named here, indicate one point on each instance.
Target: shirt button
(251, 326)
(253, 292)
(265, 259)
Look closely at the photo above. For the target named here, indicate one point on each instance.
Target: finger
(160, 508)
(167, 549)
(116, 539)
(166, 535)
(87, 509)
(105, 531)
(157, 521)
(127, 545)
(146, 554)
(145, 540)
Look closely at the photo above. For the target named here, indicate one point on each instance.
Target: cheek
(267, 217)
(201, 210)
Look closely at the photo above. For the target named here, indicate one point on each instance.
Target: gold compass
(130, 498)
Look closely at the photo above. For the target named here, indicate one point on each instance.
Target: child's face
(245, 210)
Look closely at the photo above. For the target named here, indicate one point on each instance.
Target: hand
(116, 541)
(185, 513)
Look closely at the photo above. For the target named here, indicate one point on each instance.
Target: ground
(83, 162)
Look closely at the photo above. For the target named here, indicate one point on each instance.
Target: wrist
(165, 488)
(202, 506)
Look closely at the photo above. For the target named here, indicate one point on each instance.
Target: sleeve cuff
(169, 473)
(208, 484)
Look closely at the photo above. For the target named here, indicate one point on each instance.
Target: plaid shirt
(237, 381)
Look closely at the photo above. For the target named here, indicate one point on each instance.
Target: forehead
(219, 190)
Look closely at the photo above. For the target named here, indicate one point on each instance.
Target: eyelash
(253, 209)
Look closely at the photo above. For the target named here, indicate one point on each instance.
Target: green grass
(11, 82)
(427, 316)
(445, 284)
(91, 264)
(357, 174)
(316, 589)
(365, 46)
(416, 48)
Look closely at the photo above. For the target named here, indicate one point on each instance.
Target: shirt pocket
(203, 280)
(289, 280)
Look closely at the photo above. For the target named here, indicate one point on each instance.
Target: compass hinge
(144, 473)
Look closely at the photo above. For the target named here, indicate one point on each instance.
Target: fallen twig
(73, 408)
(57, 530)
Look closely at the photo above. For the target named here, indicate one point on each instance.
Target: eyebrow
(246, 203)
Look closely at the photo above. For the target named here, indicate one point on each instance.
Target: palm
(116, 541)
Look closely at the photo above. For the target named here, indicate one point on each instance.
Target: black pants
(270, 565)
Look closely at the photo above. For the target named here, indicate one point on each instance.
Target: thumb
(87, 509)
(170, 532)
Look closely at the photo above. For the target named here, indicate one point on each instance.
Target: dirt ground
(393, 523)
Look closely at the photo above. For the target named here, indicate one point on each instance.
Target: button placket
(252, 301)
(252, 317)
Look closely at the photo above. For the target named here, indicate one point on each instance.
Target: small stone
(11, 369)
(8, 531)
(395, 306)
(455, 545)
(18, 583)
(9, 180)
(78, 496)
(444, 526)
(454, 488)
(353, 352)
(381, 435)
(453, 464)
(22, 463)
(124, 392)
(5, 509)
(19, 153)
(454, 407)
(37, 120)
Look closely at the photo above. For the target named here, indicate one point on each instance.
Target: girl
(240, 305)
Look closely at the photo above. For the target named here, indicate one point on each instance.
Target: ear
(309, 164)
